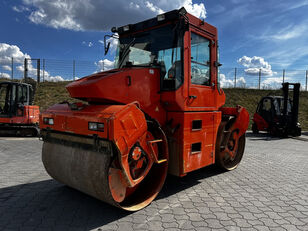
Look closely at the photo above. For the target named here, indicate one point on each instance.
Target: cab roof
(162, 19)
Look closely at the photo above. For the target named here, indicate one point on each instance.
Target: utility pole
(43, 70)
(235, 72)
(283, 75)
(260, 79)
(74, 66)
(306, 79)
(38, 69)
(12, 68)
(26, 69)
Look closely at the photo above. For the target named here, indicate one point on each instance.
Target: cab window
(200, 60)
(267, 106)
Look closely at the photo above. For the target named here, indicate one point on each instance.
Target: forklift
(18, 117)
(278, 115)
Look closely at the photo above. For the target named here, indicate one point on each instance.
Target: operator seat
(175, 72)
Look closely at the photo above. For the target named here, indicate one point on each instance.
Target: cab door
(201, 76)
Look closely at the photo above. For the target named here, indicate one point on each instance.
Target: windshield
(289, 106)
(157, 47)
(12, 97)
(3, 96)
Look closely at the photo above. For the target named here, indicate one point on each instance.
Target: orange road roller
(158, 112)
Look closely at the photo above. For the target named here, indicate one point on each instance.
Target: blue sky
(253, 34)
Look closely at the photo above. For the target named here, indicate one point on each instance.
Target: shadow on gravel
(16, 136)
(50, 204)
(175, 184)
(268, 137)
(262, 136)
(305, 133)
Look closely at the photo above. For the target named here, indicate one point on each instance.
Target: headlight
(160, 17)
(94, 126)
(126, 28)
(48, 121)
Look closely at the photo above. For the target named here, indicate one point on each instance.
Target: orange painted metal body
(145, 128)
(29, 115)
(172, 109)
(119, 145)
(124, 125)
(17, 114)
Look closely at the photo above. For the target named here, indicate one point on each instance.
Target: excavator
(18, 115)
(158, 112)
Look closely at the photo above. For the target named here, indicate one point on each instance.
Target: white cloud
(195, 9)
(113, 43)
(20, 9)
(286, 6)
(294, 33)
(104, 65)
(272, 83)
(153, 8)
(227, 83)
(255, 64)
(88, 44)
(255, 71)
(224, 82)
(102, 15)
(4, 75)
(56, 78)
(240, 82)
(286, 33)
(8, 51)
(7, 67)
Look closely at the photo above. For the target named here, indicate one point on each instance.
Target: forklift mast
(295, 101)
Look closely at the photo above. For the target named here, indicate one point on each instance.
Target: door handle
(129, 80)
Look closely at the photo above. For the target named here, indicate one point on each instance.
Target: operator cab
(185, 51)
(13, 96)
(155, 43)
(271, 108)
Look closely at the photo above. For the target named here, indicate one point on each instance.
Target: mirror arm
(107, 46)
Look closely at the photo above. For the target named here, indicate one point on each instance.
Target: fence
(261, 78)
(68, 70)
(48, 69)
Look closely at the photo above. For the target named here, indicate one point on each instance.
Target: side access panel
(32, 114)
(192, 137)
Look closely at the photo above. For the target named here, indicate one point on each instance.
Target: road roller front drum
(101, 175)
